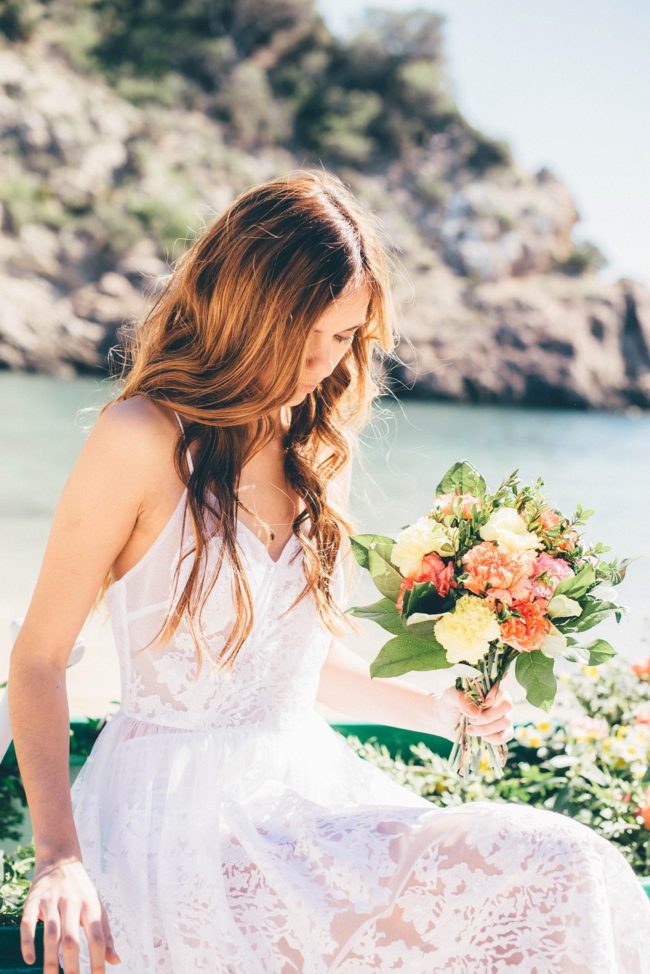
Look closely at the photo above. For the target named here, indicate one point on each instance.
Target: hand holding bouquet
(483, 581)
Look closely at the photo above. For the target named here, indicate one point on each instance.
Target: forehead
(344, 312)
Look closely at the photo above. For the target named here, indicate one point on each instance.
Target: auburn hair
(224, 345)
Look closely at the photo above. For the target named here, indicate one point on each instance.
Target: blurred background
(501, 145)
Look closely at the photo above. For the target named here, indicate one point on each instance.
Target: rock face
(496, 301)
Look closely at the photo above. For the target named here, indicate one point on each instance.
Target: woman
(219, 823)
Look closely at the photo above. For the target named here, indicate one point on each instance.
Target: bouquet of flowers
(484, 580)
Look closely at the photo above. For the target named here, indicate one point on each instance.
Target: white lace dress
(230, 830)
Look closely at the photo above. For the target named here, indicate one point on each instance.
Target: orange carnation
(529, 632)
(499, 574)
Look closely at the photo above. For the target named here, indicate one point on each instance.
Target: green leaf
(382, 612)
(422, 623)
(600, 651)
(386, 578)
(593, 614)
(535, 673)
(462, 478)
(361, 543)
(405, 653)
(578, 585)
(577, 654)
(423, 597)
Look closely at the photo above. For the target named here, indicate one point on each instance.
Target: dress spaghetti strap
(190, 462)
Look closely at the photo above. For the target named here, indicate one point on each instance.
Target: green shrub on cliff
(271, 72)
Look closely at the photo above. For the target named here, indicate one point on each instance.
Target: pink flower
(445, 501)
(555, 569)
(642, 715)
(589, 728)
(434, 570)
(644, 811)
(498, 574)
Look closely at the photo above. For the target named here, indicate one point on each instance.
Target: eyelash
(339, 339)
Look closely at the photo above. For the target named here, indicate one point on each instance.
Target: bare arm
(346, 686)
(345, 681)
(95, 516)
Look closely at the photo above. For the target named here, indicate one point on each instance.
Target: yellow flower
(591, 671)
(419, 539)
(535, 740)
(466, 633)
(543, 725)
(607, 745)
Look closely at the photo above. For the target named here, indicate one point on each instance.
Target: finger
(69, 920)
(487, 717)
(465, 704)
(51, 936)
(493, 727)
(502, 738)
(28, 923)
(496, 695)
(111, 953)
(92, 923)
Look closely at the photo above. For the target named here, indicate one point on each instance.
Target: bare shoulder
(140, 425)
(137, 419)
(123, 470)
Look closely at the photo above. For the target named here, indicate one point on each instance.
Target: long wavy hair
(224, 345)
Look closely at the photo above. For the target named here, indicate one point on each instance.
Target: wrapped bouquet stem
(470, 753)
(484, 581)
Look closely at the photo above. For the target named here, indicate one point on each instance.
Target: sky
(567, 83)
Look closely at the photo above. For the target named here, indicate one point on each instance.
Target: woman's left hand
(492, 720)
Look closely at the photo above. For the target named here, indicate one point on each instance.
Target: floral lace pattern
(229, 829)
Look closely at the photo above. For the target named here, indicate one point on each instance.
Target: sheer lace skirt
(277, 850)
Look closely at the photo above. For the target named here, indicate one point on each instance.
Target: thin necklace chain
(261, 520)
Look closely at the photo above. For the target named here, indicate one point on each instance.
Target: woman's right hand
(63, 896)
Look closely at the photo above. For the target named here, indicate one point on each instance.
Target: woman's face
(330, 338)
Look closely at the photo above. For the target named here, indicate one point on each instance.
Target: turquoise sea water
(598, 459)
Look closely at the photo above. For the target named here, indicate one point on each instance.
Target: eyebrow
(352, 328)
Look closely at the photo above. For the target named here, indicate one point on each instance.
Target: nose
(320, 362)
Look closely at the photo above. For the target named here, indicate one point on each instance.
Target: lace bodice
(275, 677)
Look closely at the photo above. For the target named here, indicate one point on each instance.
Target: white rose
(554, 644)
(563, 607)
(419, 539)
(508, 529)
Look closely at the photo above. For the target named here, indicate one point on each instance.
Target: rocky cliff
(99, 190)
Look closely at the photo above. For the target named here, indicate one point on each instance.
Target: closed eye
(348, 339)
